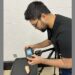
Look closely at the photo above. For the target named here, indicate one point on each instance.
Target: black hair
(35, 9)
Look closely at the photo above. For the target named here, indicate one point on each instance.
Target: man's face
(39, 24)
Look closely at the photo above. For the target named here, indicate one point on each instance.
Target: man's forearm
(60, 63)
(43, 44)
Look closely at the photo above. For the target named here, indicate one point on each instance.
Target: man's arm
(41, 45)
(60, 63)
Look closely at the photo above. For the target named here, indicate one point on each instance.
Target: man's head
(37, 13)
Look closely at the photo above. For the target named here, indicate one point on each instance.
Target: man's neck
(51, 21)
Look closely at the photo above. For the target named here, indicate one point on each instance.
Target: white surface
(18, 32)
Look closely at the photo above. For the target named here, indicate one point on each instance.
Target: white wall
(62, 7)
(18, 32)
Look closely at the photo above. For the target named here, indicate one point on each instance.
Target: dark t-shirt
(61, 36)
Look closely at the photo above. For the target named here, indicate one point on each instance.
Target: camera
(29, 52)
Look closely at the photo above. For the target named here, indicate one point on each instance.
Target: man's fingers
(33, 56)
(27, 47)
(29, 58)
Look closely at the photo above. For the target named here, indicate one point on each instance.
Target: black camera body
(29, 52)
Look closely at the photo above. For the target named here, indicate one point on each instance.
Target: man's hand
(35, 60)
(29, 46)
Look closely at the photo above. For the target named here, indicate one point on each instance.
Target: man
(59, 34)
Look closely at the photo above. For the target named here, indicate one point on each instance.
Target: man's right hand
(29, 46)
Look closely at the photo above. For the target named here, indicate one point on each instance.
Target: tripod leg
(47, 58)
(55, 67)
(41, 70)
(54, 71)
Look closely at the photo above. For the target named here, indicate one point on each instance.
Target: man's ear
(44, 16)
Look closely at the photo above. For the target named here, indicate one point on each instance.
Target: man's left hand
(34, 60)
